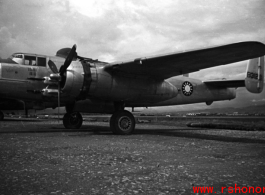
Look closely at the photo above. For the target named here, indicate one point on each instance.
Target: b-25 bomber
(84, 85)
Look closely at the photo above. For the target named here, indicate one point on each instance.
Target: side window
(41, 61)
(30, 60)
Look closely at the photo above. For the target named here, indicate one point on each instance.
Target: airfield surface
(38, 156)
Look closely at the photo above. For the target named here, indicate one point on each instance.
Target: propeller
(60, 75)
(72, 54)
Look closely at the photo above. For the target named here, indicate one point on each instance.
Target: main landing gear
(72, 120)
(122, 122)
(2, 116)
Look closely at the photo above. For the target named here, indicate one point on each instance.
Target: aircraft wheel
(1, 116)
(72, 120)
(122, 123)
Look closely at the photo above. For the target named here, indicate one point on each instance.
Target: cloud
(128, 29)
(230, 71)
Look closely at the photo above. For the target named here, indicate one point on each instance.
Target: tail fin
(254, 80)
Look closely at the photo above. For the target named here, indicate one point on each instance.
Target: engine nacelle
(128, 88)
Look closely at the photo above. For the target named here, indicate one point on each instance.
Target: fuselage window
(41, 61)
(30, 60)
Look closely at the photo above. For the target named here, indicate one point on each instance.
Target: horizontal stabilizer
(226, 83)
(254, 80)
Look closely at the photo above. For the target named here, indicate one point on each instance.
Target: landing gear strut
(1, 116)
(72, 120)
(122, 122)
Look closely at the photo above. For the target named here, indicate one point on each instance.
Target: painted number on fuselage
(32, 71)
(187, 88)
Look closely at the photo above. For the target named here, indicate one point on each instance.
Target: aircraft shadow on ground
(99, 130)
(17, 120)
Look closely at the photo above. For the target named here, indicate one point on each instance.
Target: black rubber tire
(72, 120)
(122, 123)
(2, 116)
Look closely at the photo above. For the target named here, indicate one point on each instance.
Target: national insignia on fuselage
(187, 88)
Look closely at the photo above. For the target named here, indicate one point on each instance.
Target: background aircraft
(91, 86)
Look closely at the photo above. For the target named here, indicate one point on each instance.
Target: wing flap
(174, 64)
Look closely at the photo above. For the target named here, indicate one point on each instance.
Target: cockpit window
(18, 56)
(27, 59)
(30, 60)
(15, 55)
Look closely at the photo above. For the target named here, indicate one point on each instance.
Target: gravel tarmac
(41, 157)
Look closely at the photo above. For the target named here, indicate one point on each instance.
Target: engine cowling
(70, 85)
(73, 84)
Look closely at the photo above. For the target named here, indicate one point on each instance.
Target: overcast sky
(114, 30)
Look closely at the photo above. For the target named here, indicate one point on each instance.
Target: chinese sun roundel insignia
(187, 88)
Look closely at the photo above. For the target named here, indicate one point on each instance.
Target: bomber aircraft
(84, 85)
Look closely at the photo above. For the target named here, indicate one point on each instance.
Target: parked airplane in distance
(91, 86)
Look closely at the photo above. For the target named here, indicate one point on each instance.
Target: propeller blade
(72, 54)
(53, 67)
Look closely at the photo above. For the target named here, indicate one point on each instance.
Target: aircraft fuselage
(92, 85)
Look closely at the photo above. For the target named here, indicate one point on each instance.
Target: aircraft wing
(166, 66)
(226, 83)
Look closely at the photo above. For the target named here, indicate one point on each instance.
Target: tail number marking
(253, 75)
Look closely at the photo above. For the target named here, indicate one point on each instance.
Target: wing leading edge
(169, 65)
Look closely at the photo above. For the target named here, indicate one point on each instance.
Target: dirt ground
(41, 157)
